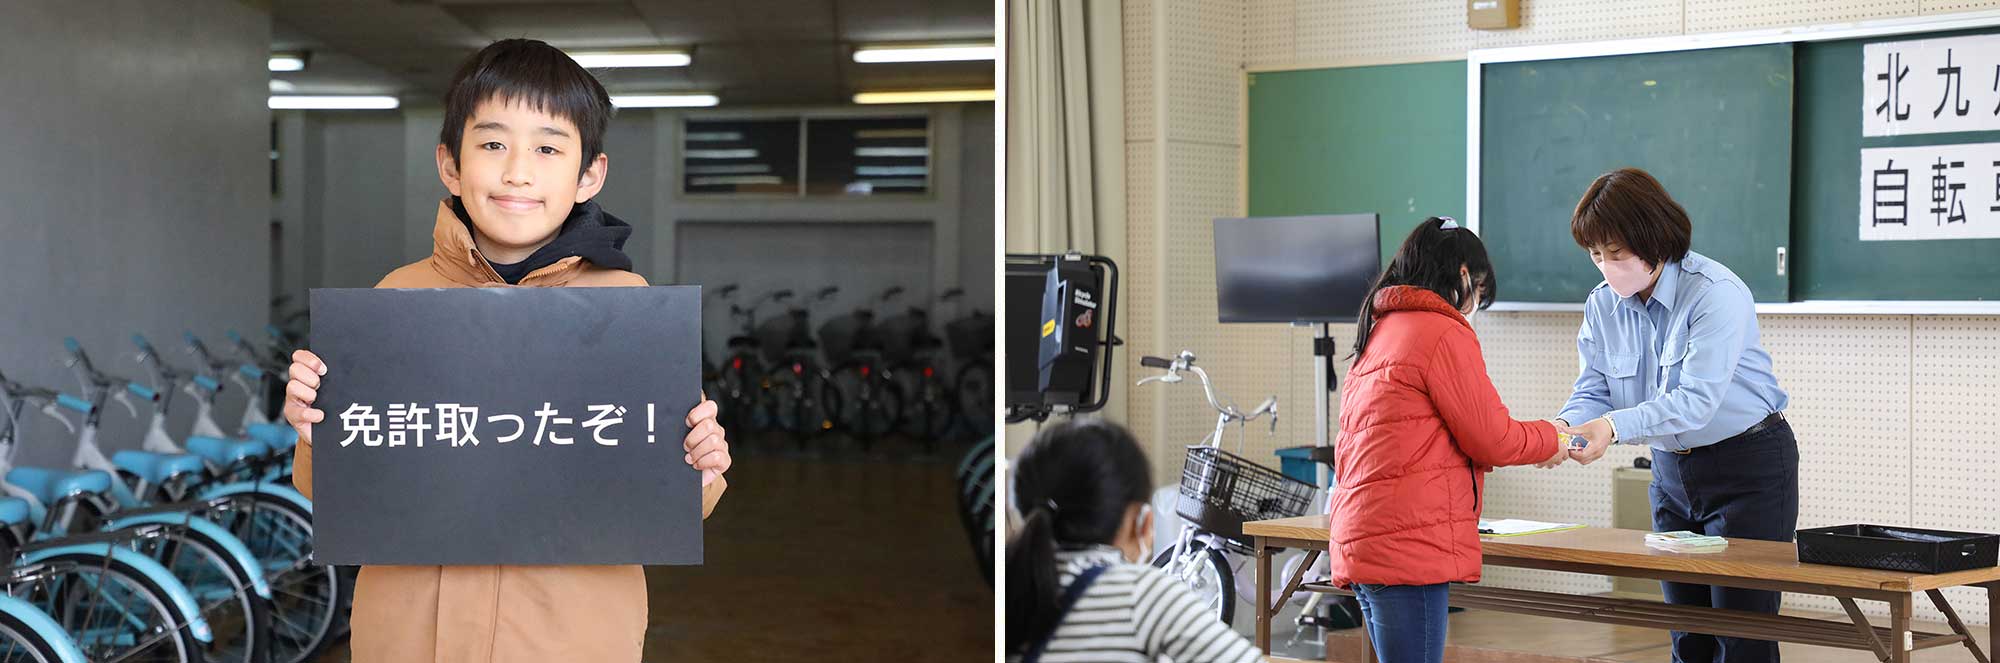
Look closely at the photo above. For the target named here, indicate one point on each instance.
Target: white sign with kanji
(1930, 86)
(1930, 192)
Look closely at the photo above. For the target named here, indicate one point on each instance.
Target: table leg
(1867, 630)
(1993, 616)
(1263, 591)
(1958, 625)
(1899, 627)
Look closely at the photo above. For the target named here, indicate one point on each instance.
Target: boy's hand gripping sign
(506, 426)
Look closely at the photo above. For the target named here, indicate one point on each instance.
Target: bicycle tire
(830, 401)
(17, 637)
(181, 645)
(884, 409)
(308, 599)
(1215, 565)
(255, 632)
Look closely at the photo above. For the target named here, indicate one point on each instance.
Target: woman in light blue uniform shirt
(1670, 359)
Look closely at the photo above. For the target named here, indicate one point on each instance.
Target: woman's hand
(1597, 434)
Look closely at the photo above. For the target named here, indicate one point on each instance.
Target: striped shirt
(1138, 614)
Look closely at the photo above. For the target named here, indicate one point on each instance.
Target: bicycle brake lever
(51, 410)
(126, 401)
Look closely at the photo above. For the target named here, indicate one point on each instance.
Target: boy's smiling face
(517, 173)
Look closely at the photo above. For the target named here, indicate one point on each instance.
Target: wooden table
(1749, 564)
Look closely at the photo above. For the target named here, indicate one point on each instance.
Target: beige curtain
(1065, 125)
(1065, 141)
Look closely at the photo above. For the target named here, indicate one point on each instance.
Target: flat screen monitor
(1294, 268)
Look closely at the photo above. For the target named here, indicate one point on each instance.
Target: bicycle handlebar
(1185, 362)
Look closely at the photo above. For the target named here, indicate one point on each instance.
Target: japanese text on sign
(1930, 192)
(1930, 86)
(404, 424)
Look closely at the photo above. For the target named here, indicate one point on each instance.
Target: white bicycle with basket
(1219, 491)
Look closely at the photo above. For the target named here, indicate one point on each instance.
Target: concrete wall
(135, 173)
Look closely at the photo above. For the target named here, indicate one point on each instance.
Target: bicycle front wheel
(1205, 571)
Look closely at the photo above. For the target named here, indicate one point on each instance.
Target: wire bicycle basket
(1220, 491)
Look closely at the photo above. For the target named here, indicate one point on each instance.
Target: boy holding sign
(521, 152)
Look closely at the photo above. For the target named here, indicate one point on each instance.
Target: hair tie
(1051, 504)
(1449, 223)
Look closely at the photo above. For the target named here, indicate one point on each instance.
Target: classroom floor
(830, 553)
(1495, 636)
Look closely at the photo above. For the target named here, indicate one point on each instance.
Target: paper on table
(1512, 527)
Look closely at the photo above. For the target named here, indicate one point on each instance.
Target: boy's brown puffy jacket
(504, 614)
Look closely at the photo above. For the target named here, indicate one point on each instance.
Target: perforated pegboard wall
(1270, 35)
(1949, 6)
(1561, 21)
(1204, 94)
(1139, 294)
(1849, 382)
(1733, 15)
(1344, 30)
(1956, 441)
(1141, 98)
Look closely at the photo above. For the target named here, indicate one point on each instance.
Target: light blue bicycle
(231, 480)
(116, 592)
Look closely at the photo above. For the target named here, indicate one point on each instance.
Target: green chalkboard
(1714, 125)
(1388, 140)
(1831, 261)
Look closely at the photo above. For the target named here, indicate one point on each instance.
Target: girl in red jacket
(1420, 426)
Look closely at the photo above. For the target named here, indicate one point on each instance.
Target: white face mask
(1627, 276)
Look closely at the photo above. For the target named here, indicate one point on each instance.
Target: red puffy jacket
(1420, 426)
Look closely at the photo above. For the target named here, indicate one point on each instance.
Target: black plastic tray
(1898, 548)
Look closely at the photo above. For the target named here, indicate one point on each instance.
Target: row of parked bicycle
(192, 547)
(858, 374)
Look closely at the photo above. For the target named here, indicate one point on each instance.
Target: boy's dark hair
(1073, 483)
(1429, 259)
(534, 73)
(1630, 208)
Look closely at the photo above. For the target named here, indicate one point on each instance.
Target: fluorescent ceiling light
(923, 96)
(631, 58)
(346, 102)
(287, 62)
(892, 152)
(662, 100)
(867, 171)
(730, 169)
(282, 86)
(924, 53)
(735, 179)
(892, 183)
(721, 154)
(714, 136)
